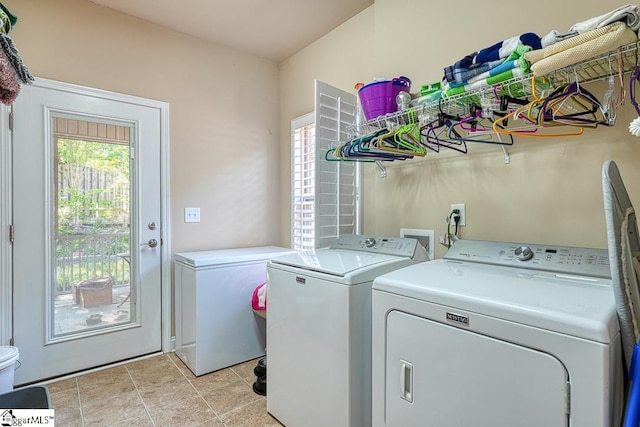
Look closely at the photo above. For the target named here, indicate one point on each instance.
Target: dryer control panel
(398, 246)
(558, 259)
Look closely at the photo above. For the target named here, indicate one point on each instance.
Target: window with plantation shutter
(337, 183)
(325, 195)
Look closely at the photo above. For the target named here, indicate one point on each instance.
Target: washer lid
(336, 262)
(573, 305)
(228, 256)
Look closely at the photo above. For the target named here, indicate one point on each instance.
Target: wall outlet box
(424, 237)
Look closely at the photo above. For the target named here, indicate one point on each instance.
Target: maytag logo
(301, 280)
(458, 319)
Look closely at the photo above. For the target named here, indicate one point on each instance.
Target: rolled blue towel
(463, 70)
(504, 48)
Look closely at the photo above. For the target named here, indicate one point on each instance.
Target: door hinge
(11, 342)
(11, 120)
(12, 234)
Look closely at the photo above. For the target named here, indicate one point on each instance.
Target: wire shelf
(624, 58)
(601, 67)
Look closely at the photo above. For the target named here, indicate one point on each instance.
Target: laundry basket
(8, 358)
(259, 300)
(259, 306)
(379, 98)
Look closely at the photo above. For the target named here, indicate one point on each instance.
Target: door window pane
(92, 233)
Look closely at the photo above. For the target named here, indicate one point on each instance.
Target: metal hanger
(573, 106)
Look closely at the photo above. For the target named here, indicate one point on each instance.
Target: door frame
(6, 219)
(6, 207)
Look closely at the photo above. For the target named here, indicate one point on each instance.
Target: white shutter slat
(324, 194)
(336, 182)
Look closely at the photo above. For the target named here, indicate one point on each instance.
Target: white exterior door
(87, 216)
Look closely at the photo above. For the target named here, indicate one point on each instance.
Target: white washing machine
(319, 329)
(498, 335)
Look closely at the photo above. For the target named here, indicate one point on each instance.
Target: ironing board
(624, 249)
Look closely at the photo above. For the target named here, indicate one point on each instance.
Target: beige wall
(340, 58)
(550, 192)
(230, 115)
(223, 110)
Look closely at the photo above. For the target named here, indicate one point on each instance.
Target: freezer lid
(228, 256)
(335, 262)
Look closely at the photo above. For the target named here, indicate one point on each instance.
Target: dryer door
(440, 375)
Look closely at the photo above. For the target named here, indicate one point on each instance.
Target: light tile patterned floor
(161, 391)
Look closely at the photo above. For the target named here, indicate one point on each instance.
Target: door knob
(152, 243)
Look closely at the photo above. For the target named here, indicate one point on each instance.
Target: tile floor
(160, 391)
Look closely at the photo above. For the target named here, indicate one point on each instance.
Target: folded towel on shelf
(9, 84)
(521, 63)
(465, 69)
(480, 62)
(628, 14)
(580, 48)
(515, 60)
(506, 47)
(537, 55)
(10, 50)
(427, 99)
(484, 83)
(555, 36)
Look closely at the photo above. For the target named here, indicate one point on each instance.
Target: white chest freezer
(215, 325)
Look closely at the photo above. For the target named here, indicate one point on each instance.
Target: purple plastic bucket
(379, 98)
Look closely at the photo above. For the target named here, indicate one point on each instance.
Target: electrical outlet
(463, 214)
(191, 214)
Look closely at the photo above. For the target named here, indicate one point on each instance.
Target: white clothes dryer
(319, 329)
(498, 335)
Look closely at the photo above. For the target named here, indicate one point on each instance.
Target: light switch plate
(191, 214)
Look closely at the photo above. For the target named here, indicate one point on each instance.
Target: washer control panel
(559, 259)
(398, 246)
